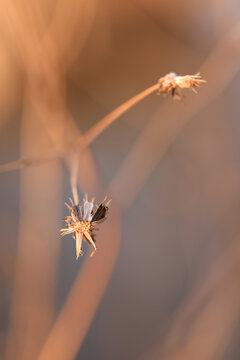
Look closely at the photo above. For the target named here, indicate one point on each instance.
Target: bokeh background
(164, 283)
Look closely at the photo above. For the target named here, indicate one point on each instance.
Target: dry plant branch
(83, 141)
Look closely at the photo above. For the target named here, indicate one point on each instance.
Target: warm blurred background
(164, 283)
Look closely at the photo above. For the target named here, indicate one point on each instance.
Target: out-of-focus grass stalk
(43, 123)
(32, 306)
(38, 247)
(210, 312)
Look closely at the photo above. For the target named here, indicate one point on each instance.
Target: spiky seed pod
(82, 221)
(170, 83)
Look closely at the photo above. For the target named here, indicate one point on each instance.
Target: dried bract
(82, 221)
(170, 83)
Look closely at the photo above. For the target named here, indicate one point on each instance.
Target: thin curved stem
(84, 140)
(107, 120)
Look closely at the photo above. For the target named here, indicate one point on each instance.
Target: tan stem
(74, 178)
(84, 140)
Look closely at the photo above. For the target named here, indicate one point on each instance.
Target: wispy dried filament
(171, 82)
(82, 220)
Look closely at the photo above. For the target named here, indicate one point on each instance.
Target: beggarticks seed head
(82, 221)
(170, 83)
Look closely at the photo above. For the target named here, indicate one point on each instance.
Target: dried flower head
(82, 220)
(171, 82)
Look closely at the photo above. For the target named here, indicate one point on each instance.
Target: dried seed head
(170, 83)
(82, 220)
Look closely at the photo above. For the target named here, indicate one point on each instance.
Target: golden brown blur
(164, 282)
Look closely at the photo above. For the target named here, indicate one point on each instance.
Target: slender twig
(30, 161)
(74, 178)
(102, 124)
(84, 140)
(166, 84)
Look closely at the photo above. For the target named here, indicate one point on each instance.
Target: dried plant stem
(30, 161)
(74, 177)
(103, 124)
(84, 140)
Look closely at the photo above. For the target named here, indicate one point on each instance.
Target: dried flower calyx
(82, 221)
(171, 82)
